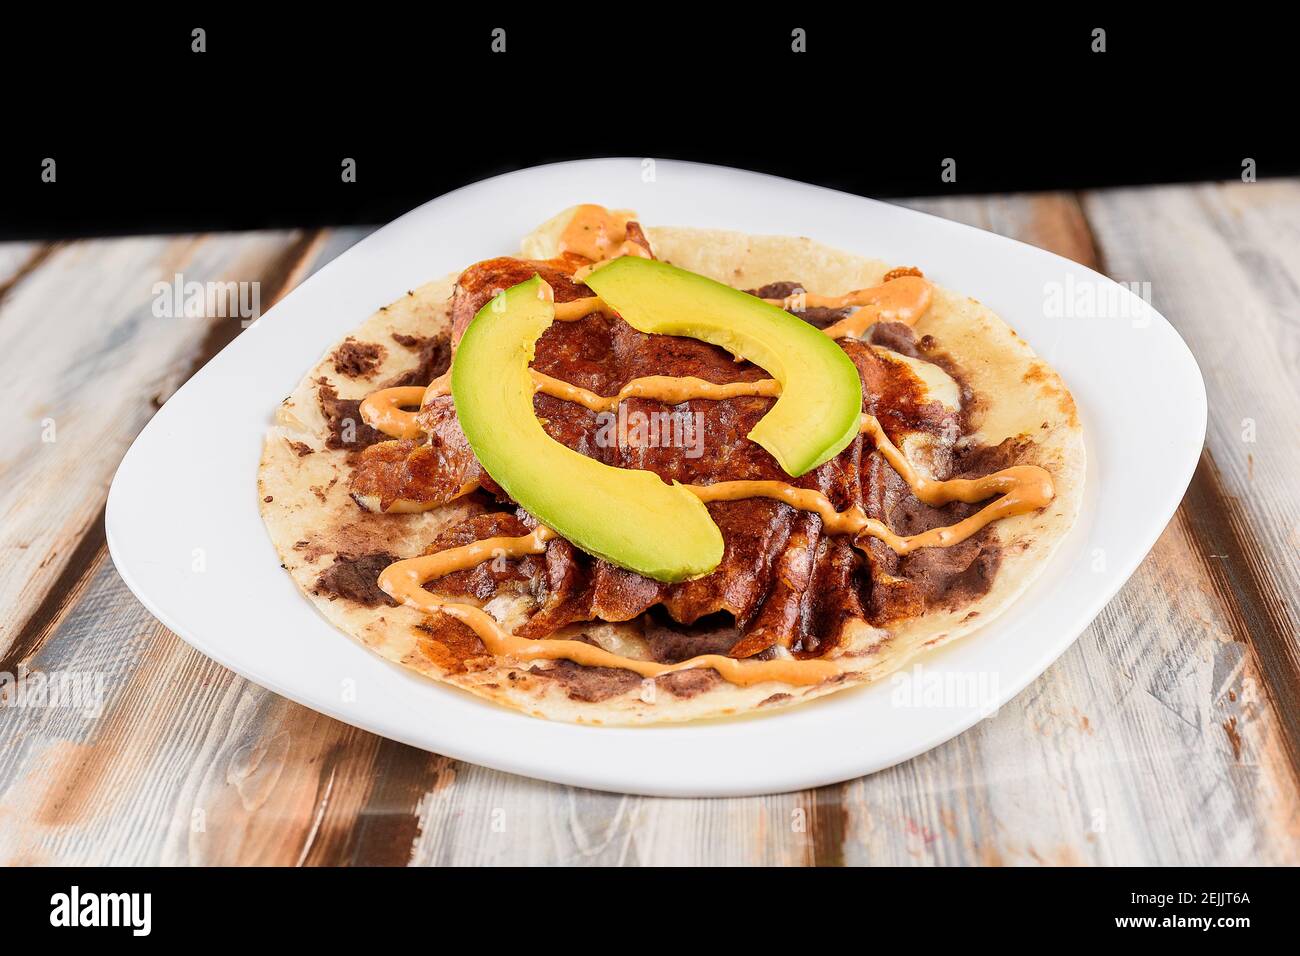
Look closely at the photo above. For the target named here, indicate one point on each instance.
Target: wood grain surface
(1169, 733)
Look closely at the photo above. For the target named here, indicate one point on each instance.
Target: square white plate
(189, 482)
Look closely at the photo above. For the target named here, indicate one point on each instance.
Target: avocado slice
(820, 408)
(629, 517)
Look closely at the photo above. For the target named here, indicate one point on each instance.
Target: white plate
(188, 482)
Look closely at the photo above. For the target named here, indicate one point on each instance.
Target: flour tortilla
(311, 517)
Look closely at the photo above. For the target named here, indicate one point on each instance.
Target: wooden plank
(89, 363)
(1230, 286)
(487, 818)
(120, 364)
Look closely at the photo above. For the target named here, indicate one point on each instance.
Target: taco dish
(637, 474)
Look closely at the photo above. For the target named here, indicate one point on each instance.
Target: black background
(149, 136)
(913, 909)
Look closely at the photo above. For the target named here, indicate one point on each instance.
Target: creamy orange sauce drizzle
(903, 299)
(594, 232)
(439, 387)
(405, 580)
(600, 235)
(581, 308)
(1022, 489)
(384, 410)
(664, 388)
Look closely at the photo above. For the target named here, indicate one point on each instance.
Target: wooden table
(1169, 734)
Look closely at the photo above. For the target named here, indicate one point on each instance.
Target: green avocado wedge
(629, 517)
(820, 408)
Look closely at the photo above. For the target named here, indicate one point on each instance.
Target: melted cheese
(937, 384)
